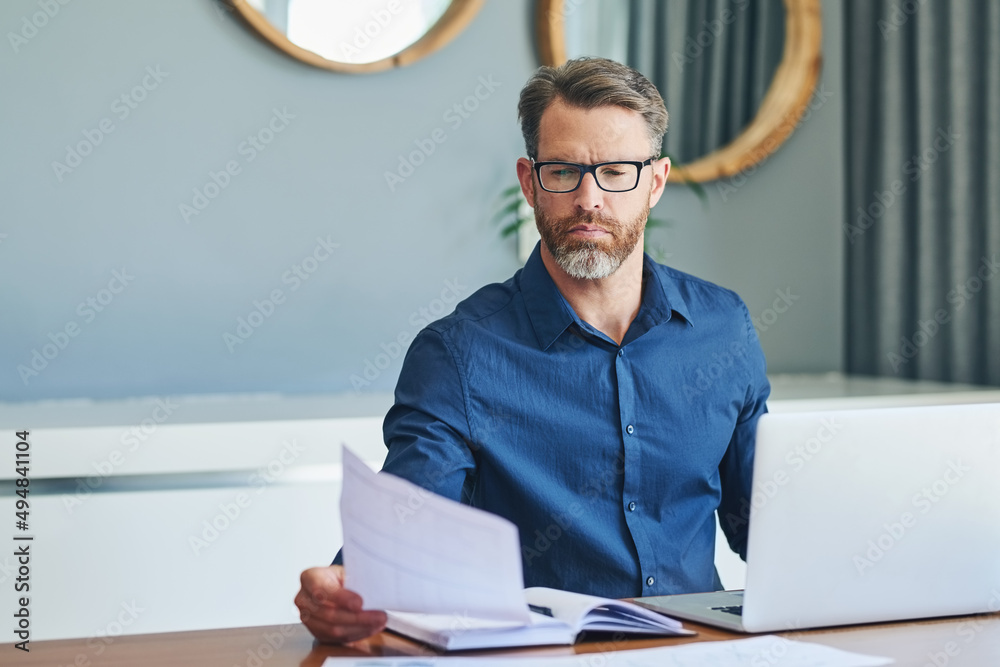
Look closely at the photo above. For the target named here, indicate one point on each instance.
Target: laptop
(864, 516)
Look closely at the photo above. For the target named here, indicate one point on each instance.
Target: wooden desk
(971, 641)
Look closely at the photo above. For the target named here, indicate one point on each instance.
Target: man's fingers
(331, 612)
(325, 597)
(346, 599)
(322, 578)
(340, 631)
(340, 616)
(367, 619)
(325, 585)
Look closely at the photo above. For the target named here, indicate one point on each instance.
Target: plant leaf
(510, 229)
(509, 209)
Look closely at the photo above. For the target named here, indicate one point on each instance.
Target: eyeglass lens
(563, 177)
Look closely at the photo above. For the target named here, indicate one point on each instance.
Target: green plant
(511, 213)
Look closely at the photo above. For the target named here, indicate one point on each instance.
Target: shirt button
(650, 581)
(621, 353)
(629, 429)
(631, 506)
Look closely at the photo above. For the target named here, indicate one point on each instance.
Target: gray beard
(586, 263)
(587, 260)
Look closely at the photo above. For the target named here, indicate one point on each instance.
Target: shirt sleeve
(426, 430)
(736, 467)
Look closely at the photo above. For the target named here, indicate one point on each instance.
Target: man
(603, 403)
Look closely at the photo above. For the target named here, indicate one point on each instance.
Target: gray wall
(63, 235)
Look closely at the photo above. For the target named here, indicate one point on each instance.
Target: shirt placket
(632, 493)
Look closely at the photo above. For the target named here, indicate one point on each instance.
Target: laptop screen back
(874, 515)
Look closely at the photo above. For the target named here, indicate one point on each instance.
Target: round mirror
(736, 75)
(358, 36)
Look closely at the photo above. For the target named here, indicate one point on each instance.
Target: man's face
(590, 232)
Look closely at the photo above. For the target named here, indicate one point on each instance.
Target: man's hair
(589, 83)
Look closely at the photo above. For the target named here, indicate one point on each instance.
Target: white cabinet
(201, 520)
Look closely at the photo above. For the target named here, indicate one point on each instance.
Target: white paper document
(407, 549)
(753, 652)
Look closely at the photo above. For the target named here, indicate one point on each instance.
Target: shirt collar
(550, 314)
(548, 311)
(661, 298)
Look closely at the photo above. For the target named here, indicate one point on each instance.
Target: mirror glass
(712, 60)
(357, 36)
(360, 31)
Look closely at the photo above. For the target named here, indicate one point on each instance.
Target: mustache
(590, 218)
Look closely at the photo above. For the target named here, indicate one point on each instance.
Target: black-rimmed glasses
(610, 176)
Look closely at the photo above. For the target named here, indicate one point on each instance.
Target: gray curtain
(712, 60)
(923, 189)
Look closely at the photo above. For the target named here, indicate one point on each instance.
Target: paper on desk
(406, 549)
(765, 650)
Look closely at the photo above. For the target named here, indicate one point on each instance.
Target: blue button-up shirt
(610, 459)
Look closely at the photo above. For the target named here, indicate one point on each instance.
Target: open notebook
(557, 617)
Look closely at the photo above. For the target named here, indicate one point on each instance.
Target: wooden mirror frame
(454, 20)
(780, 110)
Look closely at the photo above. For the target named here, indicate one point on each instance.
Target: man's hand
(330, 611)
